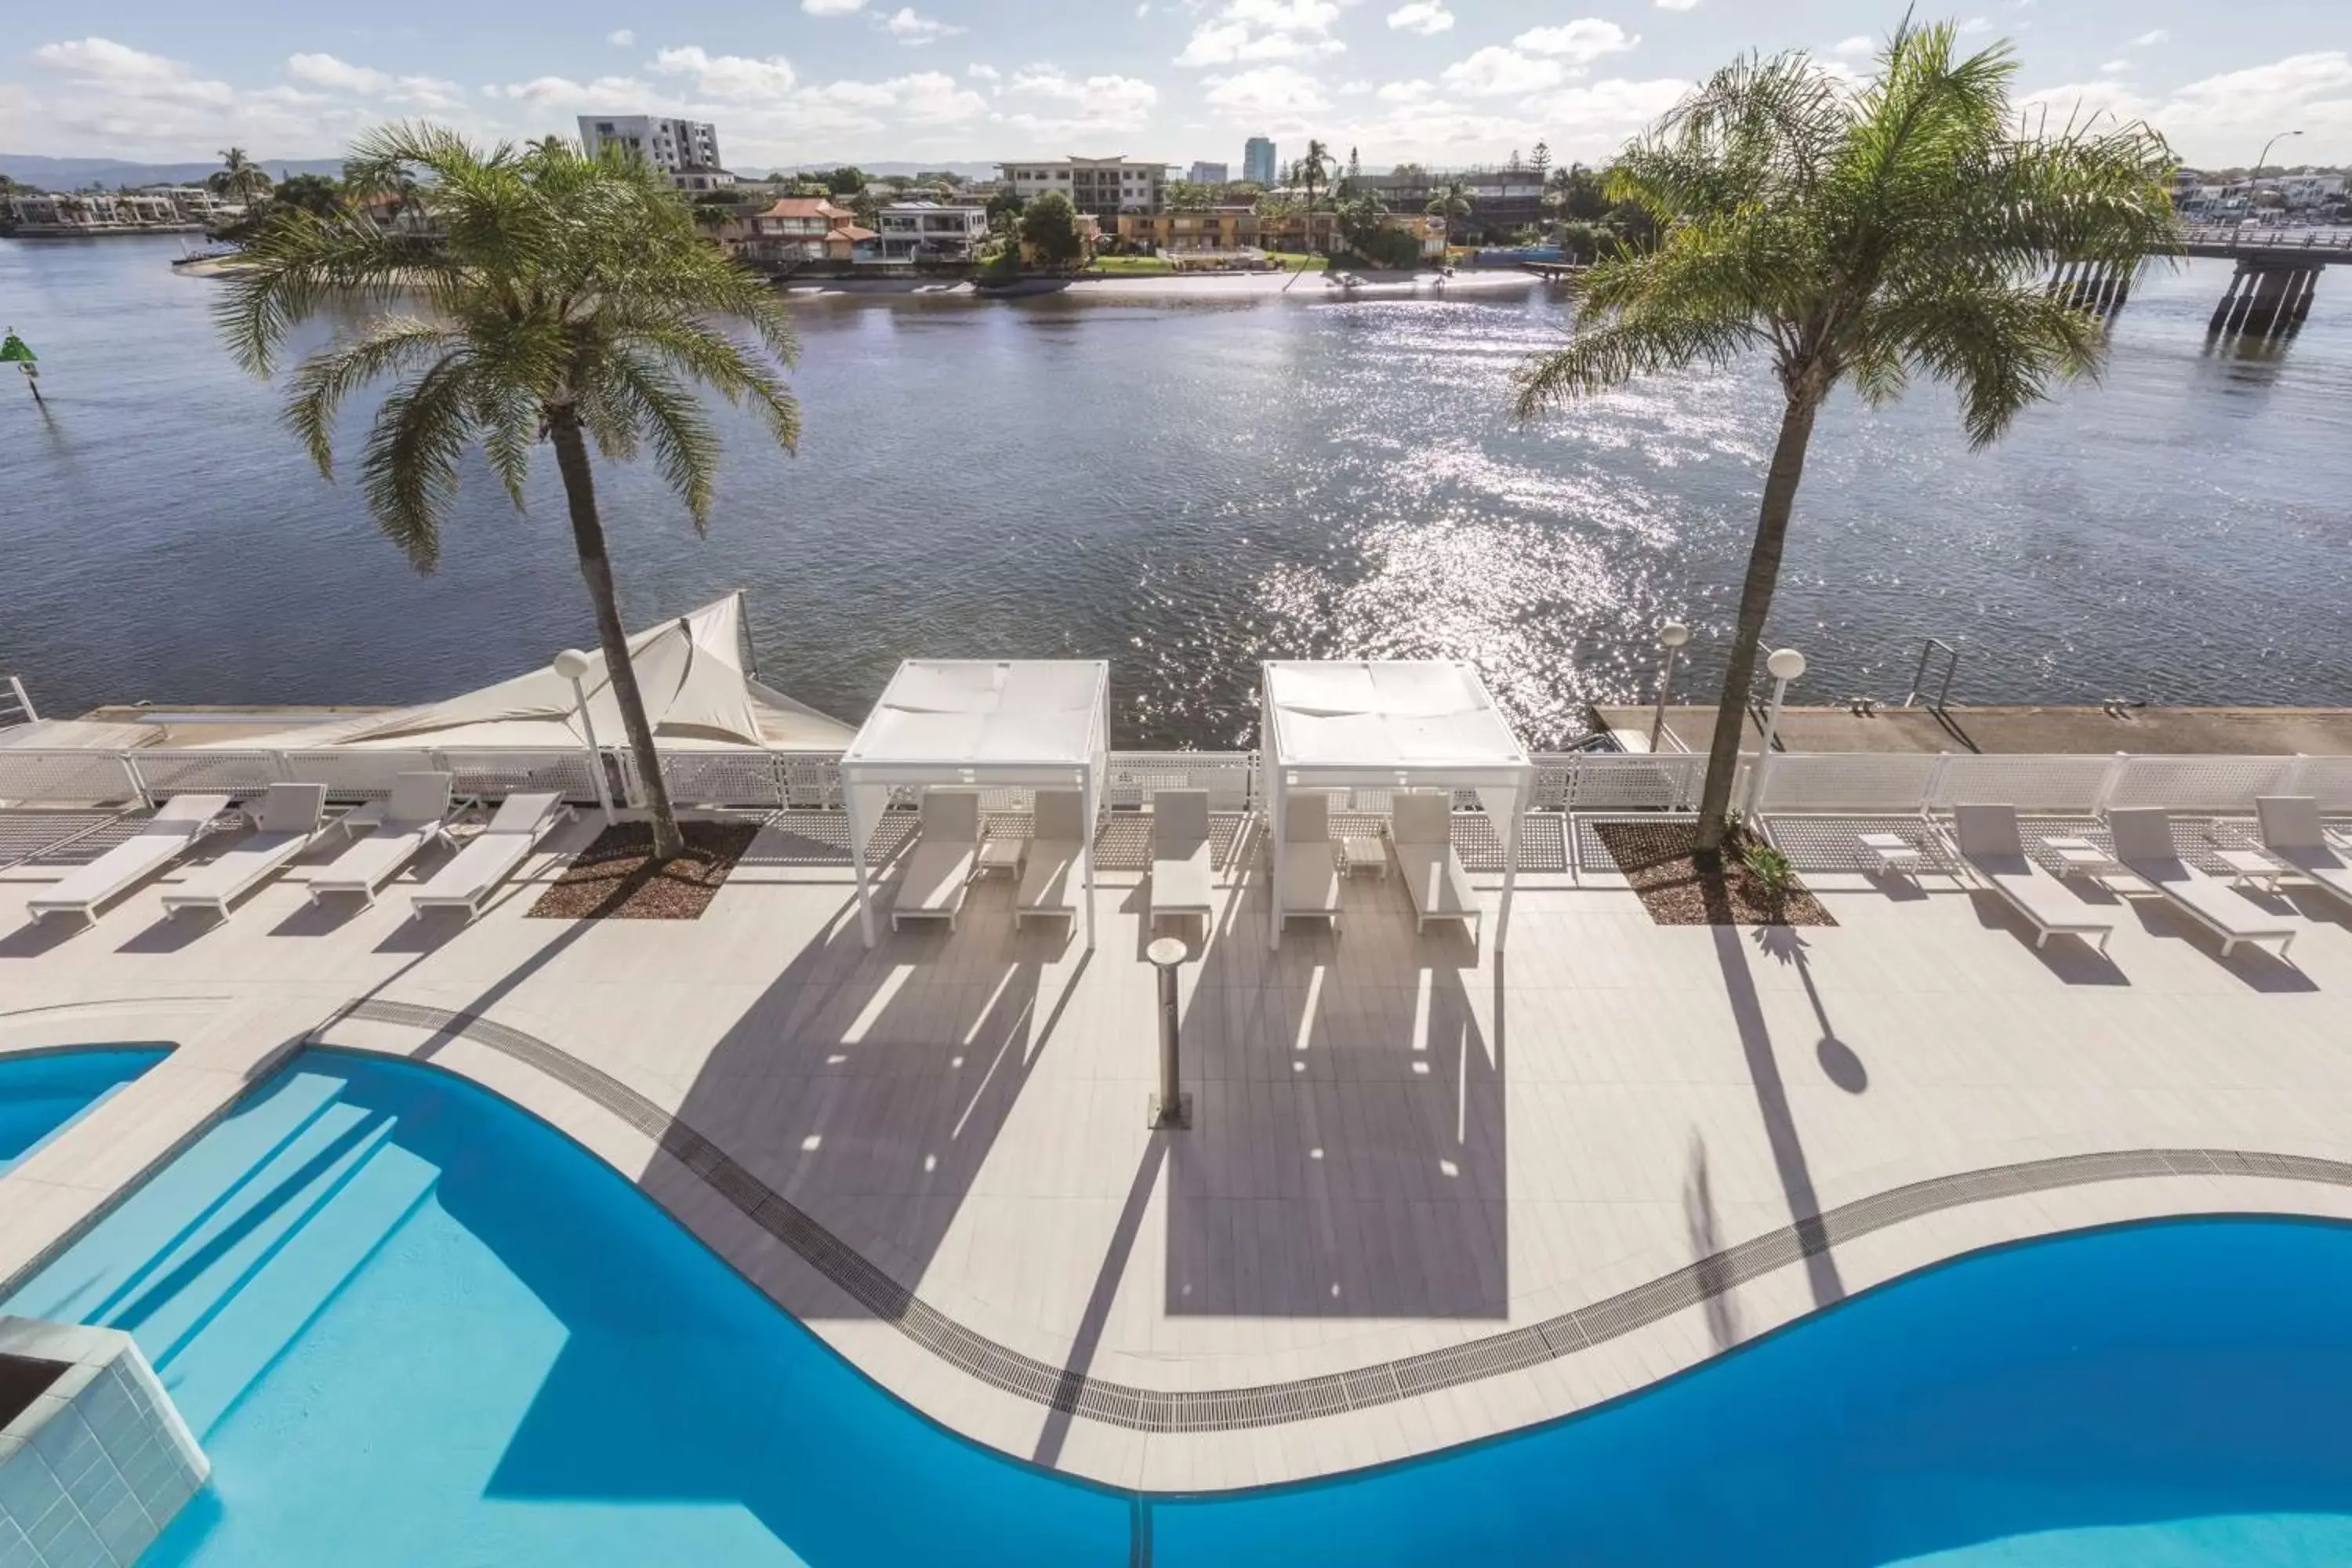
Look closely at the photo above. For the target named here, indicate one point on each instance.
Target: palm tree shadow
(1839, 1060)
(1780, 1121)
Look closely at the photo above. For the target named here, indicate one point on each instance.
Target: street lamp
(571, 665)
(1786, 665)
(2255, 177)
(1671, 637)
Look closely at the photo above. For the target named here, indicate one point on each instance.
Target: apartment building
(1209, 174)
(1257, 161)
(1101, 187)
(685, 150)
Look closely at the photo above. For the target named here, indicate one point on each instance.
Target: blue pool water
(43, 1094)
(411, 1324)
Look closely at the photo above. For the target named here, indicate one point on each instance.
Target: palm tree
(1451, 202)
(565, 300)
(1314, 169)
(242, 178)
(1862, 237)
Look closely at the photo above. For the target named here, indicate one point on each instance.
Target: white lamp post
(1671, 637)
(1786, 664)
(571, 665)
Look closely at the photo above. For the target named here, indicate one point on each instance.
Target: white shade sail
(976, 722)
(689, 671)
(1391, 725)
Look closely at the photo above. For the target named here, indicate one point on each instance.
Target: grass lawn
(1130, 266)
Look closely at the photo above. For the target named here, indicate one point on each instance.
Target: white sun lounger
(1179, 855)
(292, 818)
(1053, 880)
(1420, 835)
(1991, 847)
(2293, 831)
(415, 815)
(1305, 871)
(2144, 846)
(490, 857)
(939, 868)
(162, 840)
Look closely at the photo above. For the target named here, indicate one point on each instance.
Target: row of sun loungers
(292, 819)
(2294, 838)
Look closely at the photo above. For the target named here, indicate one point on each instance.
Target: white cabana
(690, 671)
(980, 723)
(1393, 724)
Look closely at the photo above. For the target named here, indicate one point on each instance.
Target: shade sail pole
(1510, 862)
(858, 835)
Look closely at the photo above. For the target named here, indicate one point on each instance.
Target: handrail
(1919, 676)
(13, 698)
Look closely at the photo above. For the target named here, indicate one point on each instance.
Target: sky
(797, 82)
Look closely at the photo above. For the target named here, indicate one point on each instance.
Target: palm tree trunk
(588, 537)
(1755, 605)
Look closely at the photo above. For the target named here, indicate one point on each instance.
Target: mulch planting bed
(1678, 890)
(616, 877)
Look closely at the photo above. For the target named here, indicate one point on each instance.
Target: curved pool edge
(1653, 1326)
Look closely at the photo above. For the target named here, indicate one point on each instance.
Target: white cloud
(1677, 4)
(1065, 105)
(1263, 30)
(1860, 44)
(1266, 91)
(1977, 25)
(559, 89)
(1404, 92)
(1423, 17)
(621, 37)
(325, 70)
(1496, 72)
(833, 7)
(2115, 68)
(105, 64)
(729, 78)
(2216, 119)
(916, 31)
(983, 73)
(2150, 39)
(1579, 42)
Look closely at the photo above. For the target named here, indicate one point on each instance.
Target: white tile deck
(1400, 1143)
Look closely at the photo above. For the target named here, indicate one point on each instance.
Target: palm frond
(318, 388)
(410, 468)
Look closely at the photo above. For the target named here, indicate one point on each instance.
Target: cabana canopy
(1009, 723)
(689, 670)
(1391, 725)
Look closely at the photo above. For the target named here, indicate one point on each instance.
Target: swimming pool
(411, 1324)
(44, 1092)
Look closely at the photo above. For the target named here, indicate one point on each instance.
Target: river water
(1189, 487)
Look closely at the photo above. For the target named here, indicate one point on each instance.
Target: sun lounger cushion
(413, 815)
(286, 823)
(939, 868)
(1180, 852)
(160, 839)
(2143, 843)
(1052, 876)
(1995, 851)
(491, 854)
(2293, 831)
(1420, 830)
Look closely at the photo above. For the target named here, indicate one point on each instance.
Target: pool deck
(1430, 1193)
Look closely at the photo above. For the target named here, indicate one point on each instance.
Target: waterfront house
(797, 229)
(927, 231)
(105, 212)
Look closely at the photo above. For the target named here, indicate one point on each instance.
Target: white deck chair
(1991, 846)
(490, 857)
(2144, 845)
(1420, 832)
(2293, 831)
(162, 840)
(415, 815)
(1306, 873)
(1053, 880)
(291, 819)
(1180, 860)
(939, 868)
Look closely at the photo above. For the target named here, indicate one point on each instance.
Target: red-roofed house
(801, 228)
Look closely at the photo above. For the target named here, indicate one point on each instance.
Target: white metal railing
(1581, 782)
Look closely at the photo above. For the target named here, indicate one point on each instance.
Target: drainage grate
(1228, 1410)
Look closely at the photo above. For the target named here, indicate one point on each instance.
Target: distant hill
(77, 173)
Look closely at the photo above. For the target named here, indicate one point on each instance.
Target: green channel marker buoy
(15, 350)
